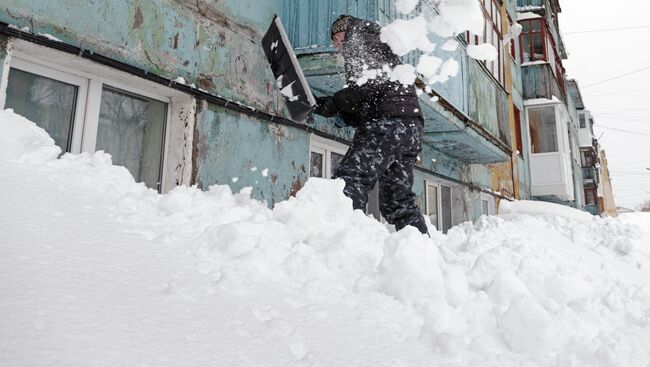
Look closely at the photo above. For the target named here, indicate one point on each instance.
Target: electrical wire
(615, 93)
(607, 29)
(616, 77)
(624, 131)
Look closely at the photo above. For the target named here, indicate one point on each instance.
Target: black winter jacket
(378, 97)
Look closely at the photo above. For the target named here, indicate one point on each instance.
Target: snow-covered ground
(96, 270)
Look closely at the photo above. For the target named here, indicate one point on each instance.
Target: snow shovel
(288, 74)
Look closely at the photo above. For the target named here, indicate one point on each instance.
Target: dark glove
(326, 107)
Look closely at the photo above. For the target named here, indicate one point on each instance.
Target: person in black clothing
(388, 122)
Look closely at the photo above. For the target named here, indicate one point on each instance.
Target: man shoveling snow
(388, 120)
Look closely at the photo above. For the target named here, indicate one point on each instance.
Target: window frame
(594, 191)
(88, 102)
(518, 132)
(427, 184)
(439, 185)
(75, 140)
(326, 147)
(559, 140)
(549, 43)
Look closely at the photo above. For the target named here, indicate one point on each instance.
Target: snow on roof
(527, 15)
(541, 101)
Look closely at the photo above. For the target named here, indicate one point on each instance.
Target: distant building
(588, 151)
(606, 203)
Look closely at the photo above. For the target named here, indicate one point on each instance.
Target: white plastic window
(84, 113)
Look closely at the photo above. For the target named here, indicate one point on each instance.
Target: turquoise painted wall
(230, 145)
(214, 45)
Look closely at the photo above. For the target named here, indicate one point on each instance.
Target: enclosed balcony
(468, 121)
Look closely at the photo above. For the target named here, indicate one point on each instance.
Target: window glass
(336, 160)
(538, 47)
(47, 102)
(535, 25)
(131, 128)
(583, 123)
(590, 197)
(520, 140)
(485, 208)
(432, 204)
(543, 130)
(316, 165)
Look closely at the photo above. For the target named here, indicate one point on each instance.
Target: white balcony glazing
(550, 151)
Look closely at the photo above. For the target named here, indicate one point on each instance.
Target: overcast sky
(624, 103)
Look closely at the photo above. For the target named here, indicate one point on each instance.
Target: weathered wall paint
(308, 25)
(539, 82)
(483, 99)
(214, 45)
(231, 146)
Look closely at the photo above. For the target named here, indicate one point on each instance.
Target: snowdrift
(98, 270)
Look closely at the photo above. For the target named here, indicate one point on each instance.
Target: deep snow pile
(98, 270)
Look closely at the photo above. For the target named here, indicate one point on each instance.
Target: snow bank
(96, 269)
(543, 208)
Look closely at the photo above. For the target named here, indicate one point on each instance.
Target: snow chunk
(49, 37)
(448, 70)
(180, 80)
(404, 74)
(404, 36)
(23, 29)
(457, 16)
(428, 65)
(483, 52)
(451, 45)
(406, 6)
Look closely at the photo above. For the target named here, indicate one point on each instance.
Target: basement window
(438, 205)
(325, 157)
(84, 113)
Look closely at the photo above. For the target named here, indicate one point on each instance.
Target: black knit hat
(340, 24)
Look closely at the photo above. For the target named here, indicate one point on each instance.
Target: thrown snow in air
(96, 269)
(484, 52)
(406, 6)
(453, 18)
(404, 36)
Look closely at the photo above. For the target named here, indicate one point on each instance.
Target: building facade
(180, 93)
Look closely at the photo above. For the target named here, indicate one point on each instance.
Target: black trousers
(386, 151)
